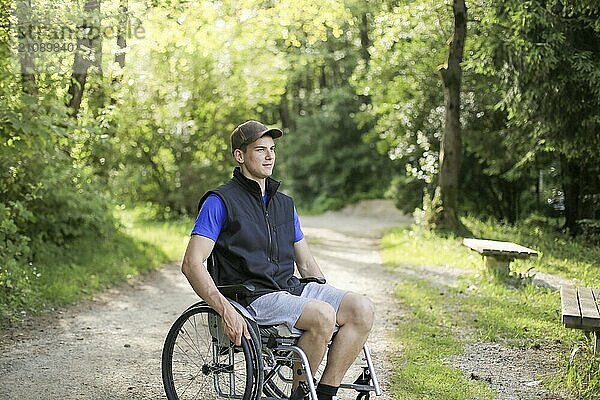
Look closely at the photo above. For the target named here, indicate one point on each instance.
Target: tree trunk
(121, 38)
(26, 59)
(365, 42)
(121, 47)
(443, 213)
(88, 53)
(284, 111)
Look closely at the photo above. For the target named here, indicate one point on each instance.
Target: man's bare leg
(355, 318)
(318, 322)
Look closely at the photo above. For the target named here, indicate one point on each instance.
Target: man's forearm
(310, 269)
(306, 263)
(204, 286)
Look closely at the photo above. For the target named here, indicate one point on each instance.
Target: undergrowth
(75, 270)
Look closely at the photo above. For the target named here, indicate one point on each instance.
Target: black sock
(326, 392)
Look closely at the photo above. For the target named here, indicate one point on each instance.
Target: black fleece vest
(256, 243)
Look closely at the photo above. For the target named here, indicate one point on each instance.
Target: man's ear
(238, 155)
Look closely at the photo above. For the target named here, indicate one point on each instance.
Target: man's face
(259, 158)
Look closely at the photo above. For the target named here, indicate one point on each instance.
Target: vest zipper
(270, 249)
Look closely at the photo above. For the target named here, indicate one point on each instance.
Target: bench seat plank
(590, 317)
(571, 314)
(498, 248)
(580, 310)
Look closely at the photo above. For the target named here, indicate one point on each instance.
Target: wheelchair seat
(281, 331)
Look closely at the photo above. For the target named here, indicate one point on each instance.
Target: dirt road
(110, 348)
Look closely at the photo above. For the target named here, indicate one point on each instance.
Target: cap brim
(273, 132)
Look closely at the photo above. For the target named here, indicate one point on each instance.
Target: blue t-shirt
(213, 214)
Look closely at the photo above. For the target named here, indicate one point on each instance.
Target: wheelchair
(200, 362)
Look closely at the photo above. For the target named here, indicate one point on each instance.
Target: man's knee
(366, 309)
(325, 316)
(359, 311)
(318, 317)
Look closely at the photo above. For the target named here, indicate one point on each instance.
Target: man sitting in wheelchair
(253, 234)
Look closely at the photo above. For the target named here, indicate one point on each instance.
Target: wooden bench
(497, 256)
(580, 309)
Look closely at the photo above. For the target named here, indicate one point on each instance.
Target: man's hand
(235, 326)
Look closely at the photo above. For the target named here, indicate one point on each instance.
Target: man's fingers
(236, 328)
(246, 332)
(233, 335)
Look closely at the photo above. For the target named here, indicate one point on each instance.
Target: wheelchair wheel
(200, 362)
(279, 376)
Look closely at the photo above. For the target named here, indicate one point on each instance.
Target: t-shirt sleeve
(298, 234)
(211, 218)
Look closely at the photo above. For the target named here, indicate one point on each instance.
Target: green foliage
(354, 85)
(46, 202)
(407, 192)
(404, 86)
(221, 65)
(79, 268)
(590, 230)
(407, 107)
(550, 49)
(583, 371)
(15, 274)
(544, 56)
(171, 124)
(529, 95)
(49, 198)
(328, 141)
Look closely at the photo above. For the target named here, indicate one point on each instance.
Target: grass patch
(76, 270)
(408, 246)
(170, 237)
(81, 268)
(427, 340)
(475, 309)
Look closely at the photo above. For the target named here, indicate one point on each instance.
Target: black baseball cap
(249, 132)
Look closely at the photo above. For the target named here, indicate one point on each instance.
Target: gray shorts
(285, 308)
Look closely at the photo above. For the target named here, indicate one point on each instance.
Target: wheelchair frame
(259, 369)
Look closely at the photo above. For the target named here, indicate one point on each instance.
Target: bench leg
(497, 267)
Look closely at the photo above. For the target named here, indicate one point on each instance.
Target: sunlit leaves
(201, 69)
(409, 42)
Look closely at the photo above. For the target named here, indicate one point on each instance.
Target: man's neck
(262, 183)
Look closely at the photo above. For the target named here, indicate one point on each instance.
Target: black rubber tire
(194, 361)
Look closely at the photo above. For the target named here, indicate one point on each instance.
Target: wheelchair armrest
(316, 279)
(232, 291)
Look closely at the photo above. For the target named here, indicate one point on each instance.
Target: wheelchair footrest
(358, 388)
(362, 384)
